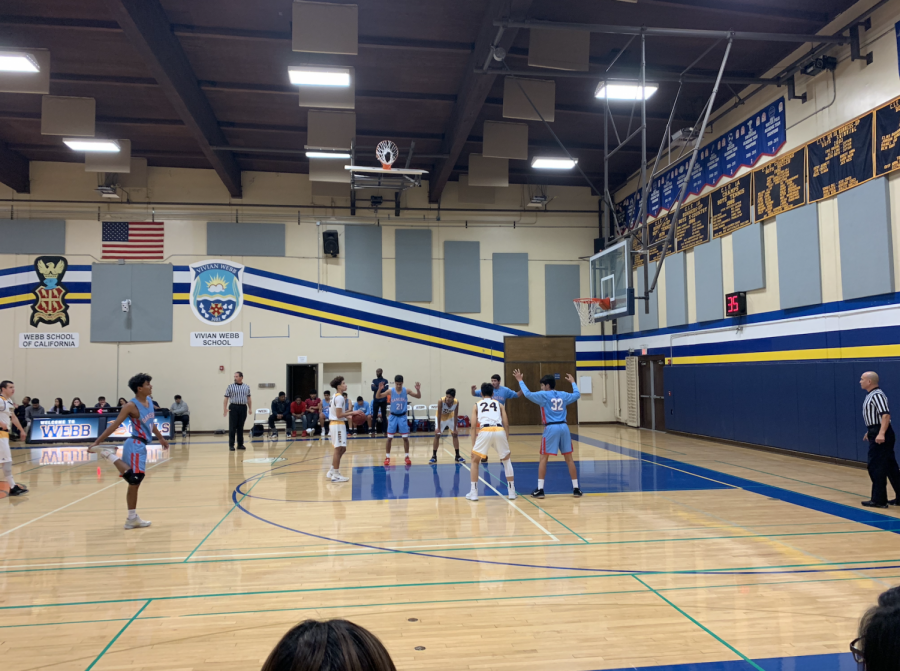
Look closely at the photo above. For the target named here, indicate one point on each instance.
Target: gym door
(302, 379)
(653, 410)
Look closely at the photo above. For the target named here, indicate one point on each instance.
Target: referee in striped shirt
(880, 434)
(236, 406)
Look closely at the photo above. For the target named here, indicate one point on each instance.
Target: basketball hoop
(387, 152)
(590, 308)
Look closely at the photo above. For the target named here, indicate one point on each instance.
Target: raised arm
(476, 392)
(128, 410)
(533, 396)
(575, 395)
(417, 393)
(382, 392)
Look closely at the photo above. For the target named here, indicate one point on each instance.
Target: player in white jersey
(448, 416)
(490, 428)
(337, 417)
(7, 415)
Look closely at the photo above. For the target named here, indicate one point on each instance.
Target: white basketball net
(589, 309)
(387, 152)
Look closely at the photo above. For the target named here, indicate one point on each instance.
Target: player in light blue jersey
(141, 413)
(556, 436)
(501, 394)
(398, 400)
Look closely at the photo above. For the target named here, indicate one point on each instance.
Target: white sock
(474, 487)
(112, 457)
(540, 484)
(132, 514)
(575, 483)
(7, 472)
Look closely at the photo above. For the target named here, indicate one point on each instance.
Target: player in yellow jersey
(490, 428)
(7, 416)
(448, 414)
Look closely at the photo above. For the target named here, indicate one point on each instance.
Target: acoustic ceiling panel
(329, 170)
(330, 130)
(505, 140)
(542, 93)
(71, 117)
(485, 171)
(484, 195)
(109, 162)
(559, 49)
(325, 28)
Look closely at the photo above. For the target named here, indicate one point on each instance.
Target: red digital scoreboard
(736, 304)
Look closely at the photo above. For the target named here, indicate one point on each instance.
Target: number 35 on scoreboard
(736, 304)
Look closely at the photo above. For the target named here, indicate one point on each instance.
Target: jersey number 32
(556, 404)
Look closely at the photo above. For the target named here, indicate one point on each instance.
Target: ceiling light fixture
(302, 75)
(327, 154)
(18, 61)
(553, 163)
(624, 90)
(88, 144)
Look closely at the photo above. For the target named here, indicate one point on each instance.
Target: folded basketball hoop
(590, 308)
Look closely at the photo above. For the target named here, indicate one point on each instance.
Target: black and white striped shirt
(238, 393)
(875, 405)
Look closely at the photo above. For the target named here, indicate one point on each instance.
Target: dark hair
(177, 397)
(5, 384)
(101, 398)
(336, 382)
(327, 392)
(60, 402)
(35, 401)
(344, 393)
(73, 403)
(122, 405)
(450, 392)
(314, 392)
(398, 378)
(487, 389)
(138, 381)
(360, 398)
(549, 380)
(495, 376)
(334, 645)
(237, 372)
(879, 630)
(281, 393)
(890, 598)
(25, 400)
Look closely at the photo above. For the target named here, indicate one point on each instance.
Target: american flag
(130, 240)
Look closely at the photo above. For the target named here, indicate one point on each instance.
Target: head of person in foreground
(878, 645)
(331, 645)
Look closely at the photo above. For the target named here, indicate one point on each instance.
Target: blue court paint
(377, 483)
(834, 662)
(860, 515)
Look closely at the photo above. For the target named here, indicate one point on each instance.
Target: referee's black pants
(237, 415)
(376, 404)
(882, 464)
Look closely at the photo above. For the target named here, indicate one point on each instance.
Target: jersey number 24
(485, 406)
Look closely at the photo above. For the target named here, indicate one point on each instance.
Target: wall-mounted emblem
(50, 305)
(216, 291)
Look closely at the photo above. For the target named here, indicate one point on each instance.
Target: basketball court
(682, 552)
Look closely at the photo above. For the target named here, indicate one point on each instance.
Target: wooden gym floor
(683, 554)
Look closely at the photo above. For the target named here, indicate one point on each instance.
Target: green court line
(477, 598)
(554, 519)
(449, 549)
(762, 570)
(233, 508)
(116, 637)
(706, 629)
(811, 484)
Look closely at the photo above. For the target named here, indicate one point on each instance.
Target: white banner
(217, 339)
(54, 340)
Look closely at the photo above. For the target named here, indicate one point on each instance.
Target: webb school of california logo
(216, 291)
(50, 304)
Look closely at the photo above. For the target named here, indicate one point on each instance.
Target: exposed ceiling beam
(631, 75)
(746, 9)
(474, 89)
(14, 170)
(149, 32)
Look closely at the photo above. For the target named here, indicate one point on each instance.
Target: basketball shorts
(338, 432)
(397, 424)
(446, 424)
(5, 452)
(556, 439)
(134, 454)
(491, 436)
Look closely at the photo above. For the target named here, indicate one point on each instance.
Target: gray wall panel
(799, 274)
(510, 273)
(562, 284)
(362, 260)
(749, 258)
(708, 283)
(625, 325)
(646, 322)
(676, 290)
(462, 277)
(228, 238)
(864, 220)
(33, 236)
(151, 302)
(110, 285)
(413, 265)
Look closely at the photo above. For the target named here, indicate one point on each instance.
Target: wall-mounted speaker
(330, 243)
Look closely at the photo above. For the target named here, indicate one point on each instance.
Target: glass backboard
(611, 282)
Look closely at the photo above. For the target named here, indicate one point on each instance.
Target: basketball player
(490, 428)
(501, 394)
(338, 424)
(449, 408)
(556, 436)
(133, 463)
(398, 400)
(7, 415)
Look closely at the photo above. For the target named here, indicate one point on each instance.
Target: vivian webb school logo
(50, 305)
(216, 291)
